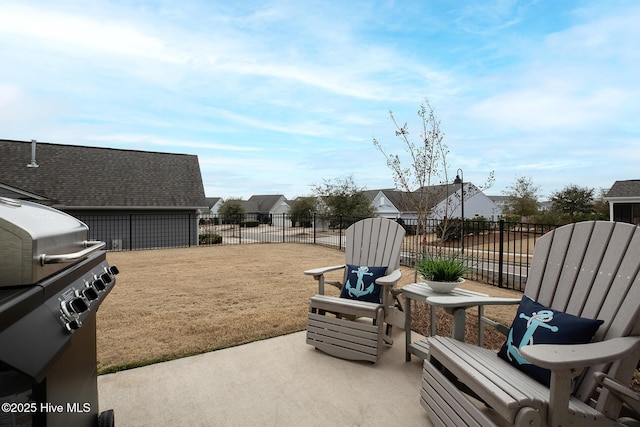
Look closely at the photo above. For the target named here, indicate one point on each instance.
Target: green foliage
(232, 211)
(210, 239)
(249, 224)
(441, 268)
(302, 210)
(573, 200)
(343, 198)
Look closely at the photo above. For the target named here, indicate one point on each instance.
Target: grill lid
(36, 241)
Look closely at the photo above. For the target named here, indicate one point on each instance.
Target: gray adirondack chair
(337, 326)
(588, 269)
(630, 414)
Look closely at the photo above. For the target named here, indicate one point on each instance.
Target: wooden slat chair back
(375, 242)
(589, 269)
(371, 242)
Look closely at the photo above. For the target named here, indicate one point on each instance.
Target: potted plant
(442, 273)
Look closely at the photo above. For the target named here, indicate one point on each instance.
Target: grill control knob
(73, 325)
(114, 270)
(98, 284)
(88, 293)
(74, 306)
(106, 278)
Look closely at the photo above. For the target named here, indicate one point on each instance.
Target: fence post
(283, 233)
(314, 228)
(501, 253)
(340, 232)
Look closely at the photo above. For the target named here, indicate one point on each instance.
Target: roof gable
(434, 194)
(264, 203)
(80, 177)
(629, 188)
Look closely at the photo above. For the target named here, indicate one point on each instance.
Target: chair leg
(387, 336)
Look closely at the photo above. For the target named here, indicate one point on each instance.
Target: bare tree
(427, 166)
(522, 198)
(428, 157)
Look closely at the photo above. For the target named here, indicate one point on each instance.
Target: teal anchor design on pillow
(536, 320)
(360, 289)
(535, 323)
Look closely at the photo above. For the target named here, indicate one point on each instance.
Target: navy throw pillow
(360, 283)
(536, 324)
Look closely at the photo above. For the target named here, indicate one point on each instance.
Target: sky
(276, 97)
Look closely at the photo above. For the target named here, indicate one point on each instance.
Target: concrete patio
(276, 382)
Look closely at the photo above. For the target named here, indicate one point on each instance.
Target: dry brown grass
(172, 303)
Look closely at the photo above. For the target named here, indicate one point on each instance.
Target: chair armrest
(568, 361)
(576, 356)
(389, 279)
(317, 272)
(470, 301)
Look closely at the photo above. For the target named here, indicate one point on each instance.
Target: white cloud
(256, 89)
(146, 141)
(69, 32)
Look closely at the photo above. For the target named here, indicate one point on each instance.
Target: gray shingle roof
(629, 188)
(434, 193)
(77, 176)
(262, 203)
(211, 201)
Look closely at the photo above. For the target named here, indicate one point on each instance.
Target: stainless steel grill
(52, 281)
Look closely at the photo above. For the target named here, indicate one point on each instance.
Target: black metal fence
(495, 252)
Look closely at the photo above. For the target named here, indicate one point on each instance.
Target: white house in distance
(624, 201)
(214, 204)
(445, 199)
(267, 209)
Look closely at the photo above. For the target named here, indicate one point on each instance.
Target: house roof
(629, 188)
(402, 202)
(262, 203)
(73, 177)
(211, 201)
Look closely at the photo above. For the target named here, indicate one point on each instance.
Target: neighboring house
(624, 201)
(214, 204)
(503, 201)
(444, 199)
(500, 201)
(267, 209)
(130, 199)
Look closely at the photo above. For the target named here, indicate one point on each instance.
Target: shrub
(209, 239)
(249, 224)
(441, 268)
